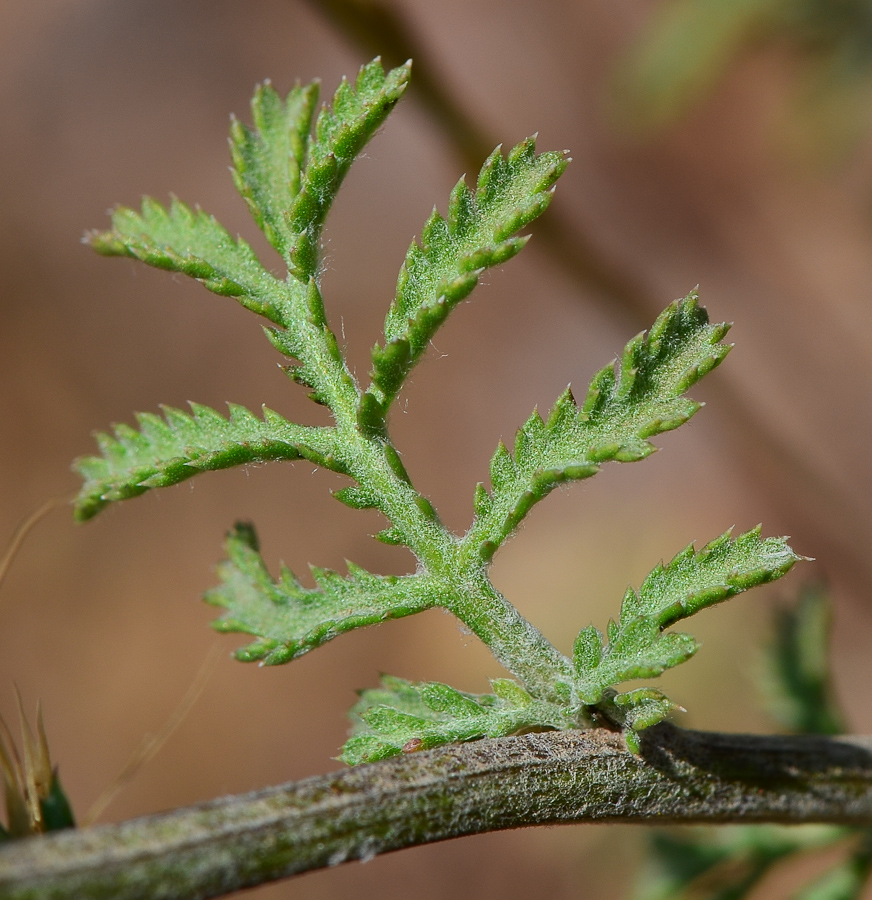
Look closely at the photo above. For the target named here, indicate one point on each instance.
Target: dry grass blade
(23, 529)
(151, 744)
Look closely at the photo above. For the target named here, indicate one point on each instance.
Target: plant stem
(516, 643)
(488, 785)
(467, 592)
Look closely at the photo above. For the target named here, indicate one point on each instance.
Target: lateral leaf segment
(445, 267)
(341, 132)
(165, 451)
(194, 243)
(268, 159)
(627, 403)
(404, 717)
(636, 647)
(289, 619)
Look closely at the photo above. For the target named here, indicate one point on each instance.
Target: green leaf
(166, 451)
(684, 52)
(625, 406)
(846, 881)
(341, 132)
(688, 47)
(796, 677)
(57, 813)
(404, 717)
(642, 708)
(289, 619)
(442, 270)
(268, 159)
(722, 863)
(637, 647)
(289, 178)
(181, 239)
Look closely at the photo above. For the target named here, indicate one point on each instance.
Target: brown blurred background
(105, 101)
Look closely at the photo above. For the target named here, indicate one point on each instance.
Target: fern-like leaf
(623, 409)
(165, 451)
(190, 241)
(268, 159)
(442, 270)
(636, 647)
(289, 177)
(404, 717)
(288, 619)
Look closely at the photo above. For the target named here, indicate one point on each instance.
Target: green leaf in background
(687, 48)
(722, 863)
(847, 880)
(796, 673)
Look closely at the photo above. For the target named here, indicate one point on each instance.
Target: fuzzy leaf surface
(192, 242)
(342, 129)
(444, 268)
(289, 619)
(269, 158)
(290, 205)
(636, 647)
(626, 404)
(165, 451)
(403, 717)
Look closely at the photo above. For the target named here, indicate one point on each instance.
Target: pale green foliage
(693, 580)
(402, 716)
(621, 411)
(289, 177)
(289, 619)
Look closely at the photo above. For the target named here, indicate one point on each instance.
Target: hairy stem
(467, 593)
(516, 643)
(488, 785)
